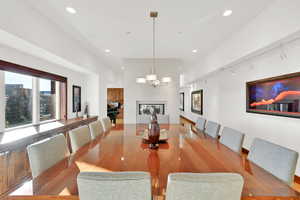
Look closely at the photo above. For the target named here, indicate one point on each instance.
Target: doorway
(115, 105)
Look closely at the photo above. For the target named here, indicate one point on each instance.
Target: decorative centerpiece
(154, 131)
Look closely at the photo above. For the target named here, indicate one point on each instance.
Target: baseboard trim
(15, 187)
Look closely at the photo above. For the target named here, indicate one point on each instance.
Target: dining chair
(79, 137)
(278, 160)
(211, 186)
(163, 119)
(212, 129)
(96, 129)
(200, 123)
(233, 139)
(114, 185)
(106, 122)
(46, 153)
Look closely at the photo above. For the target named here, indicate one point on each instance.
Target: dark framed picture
(76, 98)
(275, 96)
(145, 109)
(197, 102)
(181, 101)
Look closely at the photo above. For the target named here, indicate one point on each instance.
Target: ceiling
(125, 27)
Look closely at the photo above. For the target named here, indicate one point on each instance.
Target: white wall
(275, 23)
(139, 92)
(74, 78)
(2, 104)
(24, 22)
(30, 38)
(225, 98)
(210, 89)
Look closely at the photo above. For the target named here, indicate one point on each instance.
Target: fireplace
(145, 109)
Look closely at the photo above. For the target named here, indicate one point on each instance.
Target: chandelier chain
(153, 67)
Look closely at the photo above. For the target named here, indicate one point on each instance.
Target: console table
(14, 165)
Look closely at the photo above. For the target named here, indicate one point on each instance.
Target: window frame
(36, 74)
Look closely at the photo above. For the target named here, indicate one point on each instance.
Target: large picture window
(30, 97)
(18, 99)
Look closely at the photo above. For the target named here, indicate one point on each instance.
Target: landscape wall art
(275, 96)
(181, 101)
(197, 102)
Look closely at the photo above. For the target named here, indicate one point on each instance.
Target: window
(47, 99)
(30, 96)
(18, 99)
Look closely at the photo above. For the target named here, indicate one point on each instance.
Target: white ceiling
(181, 27)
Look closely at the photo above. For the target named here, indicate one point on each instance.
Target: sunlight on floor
(86, 167)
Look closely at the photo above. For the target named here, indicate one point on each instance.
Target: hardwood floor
(186, 122)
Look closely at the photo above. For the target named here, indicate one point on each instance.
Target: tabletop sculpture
(154, 131)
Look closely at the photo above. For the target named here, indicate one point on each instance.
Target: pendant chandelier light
(153, 78)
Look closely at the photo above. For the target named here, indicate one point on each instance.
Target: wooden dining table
(186, 150)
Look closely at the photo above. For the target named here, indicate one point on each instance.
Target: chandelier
(153, 78)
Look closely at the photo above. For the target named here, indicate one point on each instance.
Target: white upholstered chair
(198, 186)
(212, 129)
(114, 186)
(163, 119)
(96, 129)
(46, 153)
(233, 139)
(79, 137)
(200, 123)
(278, 160)
(106, 122)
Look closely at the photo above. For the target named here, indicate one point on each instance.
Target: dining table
(123, 149)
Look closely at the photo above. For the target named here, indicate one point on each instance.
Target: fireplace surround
(143, 109)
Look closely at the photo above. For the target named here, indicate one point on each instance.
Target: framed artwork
(181, 101)
(76, 98)
(197, 102)
(274, 96)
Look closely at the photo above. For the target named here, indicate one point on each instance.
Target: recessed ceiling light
(123, 68)
(71, 10)
(195, 51)
(227, 13)
(107, 50)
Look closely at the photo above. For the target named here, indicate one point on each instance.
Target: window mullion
(57, 100)
(35, 100)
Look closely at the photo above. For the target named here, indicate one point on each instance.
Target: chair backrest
(96, 129)
(114, 185)
(79, 137)
(163, 119)
(233, 139)
(278, 160)
(212, 129)
(46, 153)
(213, 186)
(106, 122)
(200, 124)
